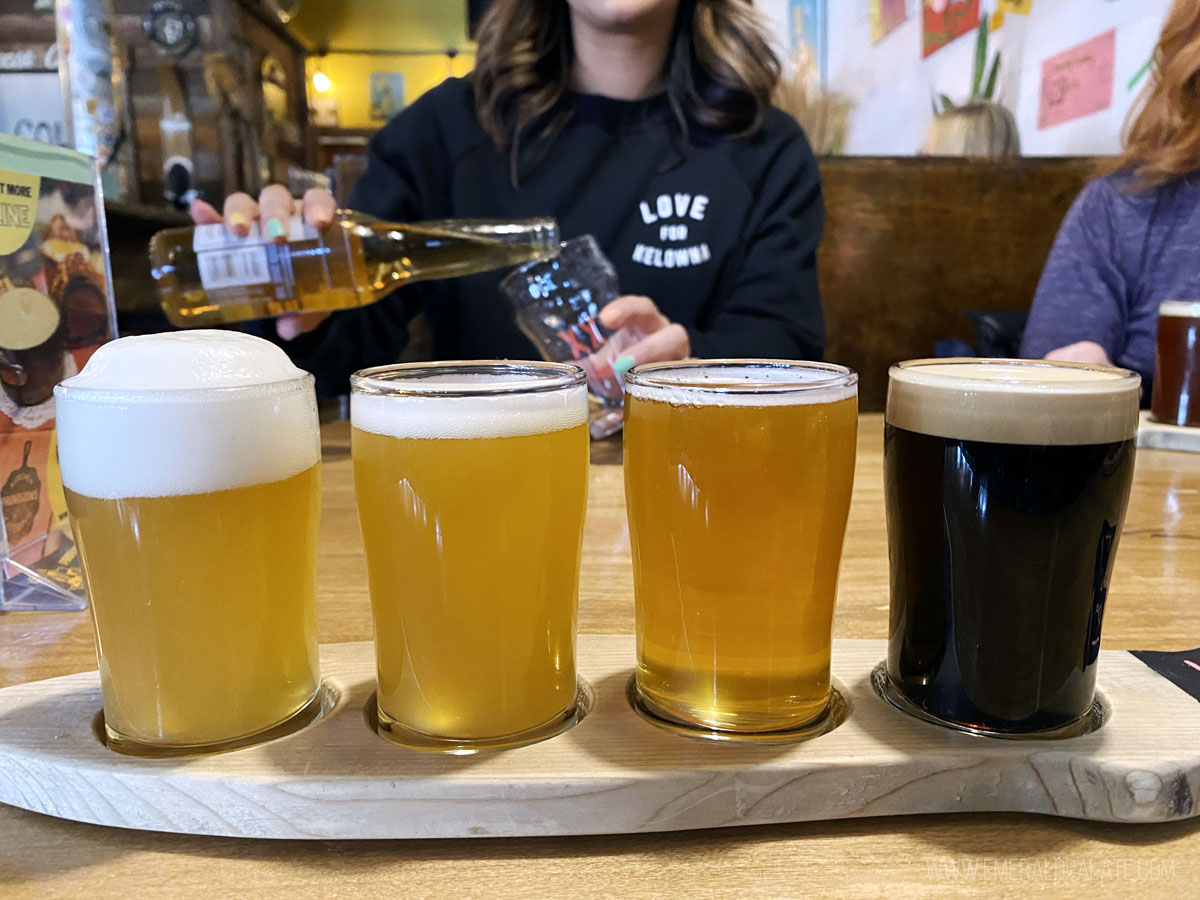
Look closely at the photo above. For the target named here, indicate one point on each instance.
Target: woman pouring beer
(644, 122)
(1129, 242)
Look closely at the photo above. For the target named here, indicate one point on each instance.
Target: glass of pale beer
(472, 482)
(191, 463)
(1006, 485)
(738, 476)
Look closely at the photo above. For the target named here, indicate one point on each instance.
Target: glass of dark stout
(1006, 486)
(1175, 397)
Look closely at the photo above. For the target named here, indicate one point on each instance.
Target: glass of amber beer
(1175, 396)
(737, 480)
(472, 481)
(1006, 485)
(191, 467)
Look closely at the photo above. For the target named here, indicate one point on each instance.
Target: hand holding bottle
(299, 260)
(273, 210)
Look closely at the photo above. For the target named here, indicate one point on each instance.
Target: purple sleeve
(1083, 293)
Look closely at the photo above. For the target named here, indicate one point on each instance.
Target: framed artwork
(945, 20)
(387, 95)
(808, 27)
(886, 17)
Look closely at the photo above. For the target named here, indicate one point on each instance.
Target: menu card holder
(56, 308)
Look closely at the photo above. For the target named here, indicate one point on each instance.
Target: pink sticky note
(1078, 82)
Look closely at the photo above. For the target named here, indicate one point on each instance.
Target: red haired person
(1132, 238)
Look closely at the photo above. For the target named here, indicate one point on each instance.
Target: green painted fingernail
(623, 365)
(275, 229)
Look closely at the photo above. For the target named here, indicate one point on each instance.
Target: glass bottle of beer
(206, 276)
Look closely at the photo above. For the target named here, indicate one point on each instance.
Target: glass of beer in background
(1175, 396)
(737, 480)
(1006, 485)
(472, 482)
(191, 467)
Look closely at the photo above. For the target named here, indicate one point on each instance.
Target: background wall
(889, 83)
(892, 86)
(349, 78)
(382, 24)
(361, 37)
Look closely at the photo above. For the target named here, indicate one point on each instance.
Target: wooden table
(1154, 603)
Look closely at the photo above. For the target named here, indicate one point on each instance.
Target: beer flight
(192, 467)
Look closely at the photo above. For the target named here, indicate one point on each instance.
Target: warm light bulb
(321, 82)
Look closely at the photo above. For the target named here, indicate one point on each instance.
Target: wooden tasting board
(1155, 436)
(614, 772)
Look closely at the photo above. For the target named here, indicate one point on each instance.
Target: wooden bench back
(911, 245)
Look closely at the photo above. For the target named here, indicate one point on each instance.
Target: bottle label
(233, 267)
(229, 262)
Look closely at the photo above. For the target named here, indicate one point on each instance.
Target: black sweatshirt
(721, 233)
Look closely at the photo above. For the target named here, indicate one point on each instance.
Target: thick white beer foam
(1015, 402)
(1187, 309)
(725, 385)
(185, 413)
(487, 412)
(185, 360)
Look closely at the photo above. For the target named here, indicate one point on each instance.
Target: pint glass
(1175, 397)
(737, 480)
(1006, 484)
(471, 481)
(557, 303)
(191, 468)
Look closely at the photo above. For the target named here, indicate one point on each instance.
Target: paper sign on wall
(1020, 7)
(886, 17)
(944, 20)
(1078, 82)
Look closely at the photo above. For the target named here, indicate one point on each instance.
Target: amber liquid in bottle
(208, 277)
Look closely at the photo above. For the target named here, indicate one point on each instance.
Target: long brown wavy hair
(1162, 137)
(720, 71)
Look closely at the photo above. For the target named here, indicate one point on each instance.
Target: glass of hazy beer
(738, 476)
(472, 482)
(1175, 396)
(191, 468)
(1006, 485)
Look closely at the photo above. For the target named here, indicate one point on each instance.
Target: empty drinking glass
(557, 304)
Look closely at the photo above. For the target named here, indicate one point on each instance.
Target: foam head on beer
(185, 413)
(435, 408)
(724, 384)
(1014, 402)
(1006, 483)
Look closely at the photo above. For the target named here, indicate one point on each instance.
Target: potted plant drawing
(980, 126)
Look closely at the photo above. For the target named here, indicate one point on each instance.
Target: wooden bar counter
(1154, 602)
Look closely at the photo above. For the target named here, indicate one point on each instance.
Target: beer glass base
(1090, 721)
(391, 730)
(1175, 423)
(828, 719)
(321, 702)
